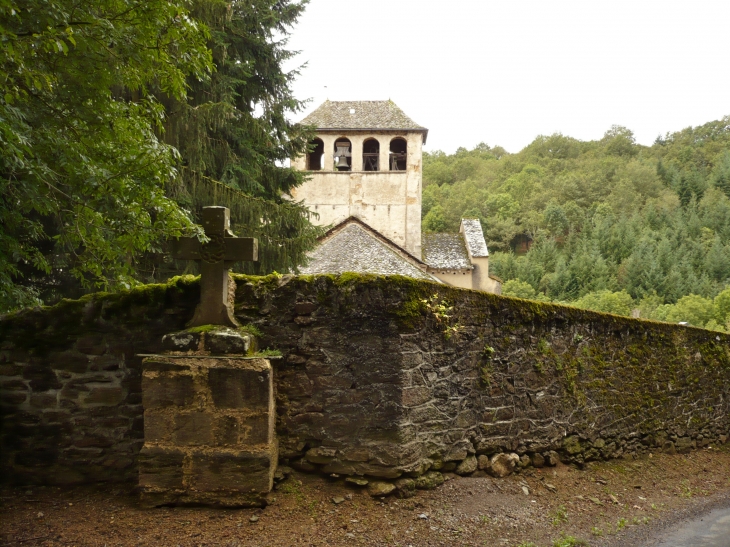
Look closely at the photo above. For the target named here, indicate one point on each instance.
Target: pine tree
(721, 174)
(234, 135)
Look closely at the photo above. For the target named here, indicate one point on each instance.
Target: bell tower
(365, 162)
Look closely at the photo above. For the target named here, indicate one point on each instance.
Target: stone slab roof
(360, 115)
(445, 252)
(352, 246)
(474, 237)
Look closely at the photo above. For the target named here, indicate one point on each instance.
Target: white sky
(504, 72)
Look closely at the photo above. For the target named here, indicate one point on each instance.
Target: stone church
(365, 168)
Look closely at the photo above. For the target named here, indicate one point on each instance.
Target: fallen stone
(538, 461)
(525, 491)
(684, 445)
(357, 481)
(379, 489)
(596, 501)
(467, 467)
(321, 454)
(282, 472)
(552, 458)
(338, 500)
(502, 465)
(430, 480)
(405, 488)
(572, 445)
(303, 465)
(524, 461)
(483, 462)
(254, 518)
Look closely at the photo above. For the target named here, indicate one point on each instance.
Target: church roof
(352, 246)
(360, 115)
(474, 237)
(455, 251)
(445, 252)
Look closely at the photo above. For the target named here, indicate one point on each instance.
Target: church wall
(481, 279)
(388, 201)
(462, 280)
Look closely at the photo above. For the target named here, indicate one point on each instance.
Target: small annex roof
(445, 252)
(474, 237)
(360, 115)
(352, 246)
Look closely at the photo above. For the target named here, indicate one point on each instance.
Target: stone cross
(215, 259)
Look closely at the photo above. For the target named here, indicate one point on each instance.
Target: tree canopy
(608, 225)
(120, 119)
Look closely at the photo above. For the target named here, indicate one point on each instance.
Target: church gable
(354, 247)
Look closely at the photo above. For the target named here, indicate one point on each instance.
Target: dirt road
(616, 504)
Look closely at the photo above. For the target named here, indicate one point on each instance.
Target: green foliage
(606, 217)
(251, 329)
(606, 301)
(569, 541)
(82, 171)
(522, 289)
(119, 120)
(721, 307)
(559, 516)
(693, 309)
(234, 135)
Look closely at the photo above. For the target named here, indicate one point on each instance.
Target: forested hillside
(609, 225)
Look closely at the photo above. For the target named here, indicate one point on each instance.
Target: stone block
(70, 361)
(321, 454)
(227, 341)
(91, 344)
(161, 468)
(166, 391)
(42, 377)
(416, 396)
(10, 369)
(467, 466)
(158, 427)
(43, 400)
(194, 429)
(249, 388)
(161, 364)
(304, 308)
(257, 429)
(181, 341)
(13, 398)
(13, 384)
(108, 396)
(238, 471)
(227, 431)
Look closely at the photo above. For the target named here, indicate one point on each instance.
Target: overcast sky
(504, 72)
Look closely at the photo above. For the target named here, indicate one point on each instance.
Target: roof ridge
(379, 114)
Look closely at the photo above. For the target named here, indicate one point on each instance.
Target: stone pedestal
(208, 424)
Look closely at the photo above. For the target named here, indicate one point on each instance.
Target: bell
(342, 162)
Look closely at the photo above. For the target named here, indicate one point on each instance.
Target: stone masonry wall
(379, 377)
(70, 399)
(386, 377)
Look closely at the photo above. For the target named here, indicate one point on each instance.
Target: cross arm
(241, 249)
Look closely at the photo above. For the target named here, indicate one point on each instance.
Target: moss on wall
(393, 372)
